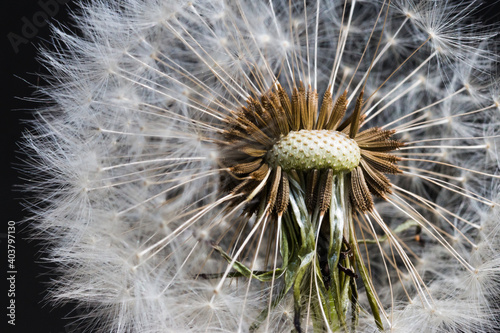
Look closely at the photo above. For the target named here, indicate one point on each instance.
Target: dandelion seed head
(232, 166)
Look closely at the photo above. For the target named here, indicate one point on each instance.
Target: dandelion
(272, 166)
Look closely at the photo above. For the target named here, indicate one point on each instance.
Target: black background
(33, 313)
(19, 75)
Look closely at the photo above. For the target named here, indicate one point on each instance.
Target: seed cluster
(277, 136)
(315, 149)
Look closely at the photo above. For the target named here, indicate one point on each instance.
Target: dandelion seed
(269, 166)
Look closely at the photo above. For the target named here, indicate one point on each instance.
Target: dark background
(19, 75)
(19, 68)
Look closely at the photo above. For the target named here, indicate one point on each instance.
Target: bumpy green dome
(315, 149)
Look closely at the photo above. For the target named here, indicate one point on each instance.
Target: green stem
(370, 293)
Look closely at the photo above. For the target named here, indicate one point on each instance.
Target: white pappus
(165, 210)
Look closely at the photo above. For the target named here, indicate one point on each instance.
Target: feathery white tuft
(125, 163)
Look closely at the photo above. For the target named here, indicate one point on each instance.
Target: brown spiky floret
(252, 131)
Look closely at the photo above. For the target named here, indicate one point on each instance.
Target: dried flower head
(273, 166)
